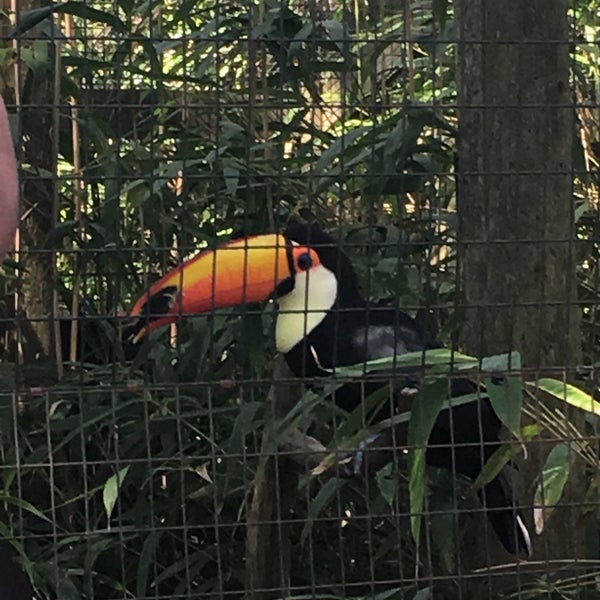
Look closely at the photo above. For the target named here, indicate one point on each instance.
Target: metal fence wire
(302, 302)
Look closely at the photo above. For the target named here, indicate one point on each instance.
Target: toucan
(323, 322)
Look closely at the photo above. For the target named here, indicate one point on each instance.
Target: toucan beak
(239, 272)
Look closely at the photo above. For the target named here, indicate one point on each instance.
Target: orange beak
(239, 272)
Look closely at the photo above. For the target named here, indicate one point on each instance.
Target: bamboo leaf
(24, 505)
(567, 393)
(111, 491)
(437, 357)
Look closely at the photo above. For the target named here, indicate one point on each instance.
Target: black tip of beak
(156, 307)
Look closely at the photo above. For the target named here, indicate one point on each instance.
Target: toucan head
(301, 268)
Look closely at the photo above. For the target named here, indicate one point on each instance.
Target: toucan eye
(304, 261)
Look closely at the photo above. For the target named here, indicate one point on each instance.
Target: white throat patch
(305, 306)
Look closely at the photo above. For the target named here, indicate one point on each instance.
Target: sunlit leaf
(439, 357)
(567, 393)
(111, 489)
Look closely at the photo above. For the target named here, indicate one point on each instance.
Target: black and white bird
(323, 323)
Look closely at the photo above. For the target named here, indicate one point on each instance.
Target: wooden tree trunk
(516, 227)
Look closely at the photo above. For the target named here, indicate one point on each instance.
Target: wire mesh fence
(377, 377)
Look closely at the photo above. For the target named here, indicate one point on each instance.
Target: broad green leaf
(567, 393)
(424, 412)
(549, 490)
(424, 594)
(506, 397)
(111, 491)
(439, 356)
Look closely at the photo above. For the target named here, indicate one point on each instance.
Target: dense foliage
(129, 472)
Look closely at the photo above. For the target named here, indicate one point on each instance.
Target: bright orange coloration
(239, 272)
(298, 251)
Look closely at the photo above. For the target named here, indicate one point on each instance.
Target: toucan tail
(504, 515)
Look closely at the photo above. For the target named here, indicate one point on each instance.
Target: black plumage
(355, 331)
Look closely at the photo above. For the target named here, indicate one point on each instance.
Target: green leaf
(424, 412)
(31, 18)
(506, 397)
(567, 393)
(24, 505)
(443, 357)
(416, 491)
(549, 491)
(111, 491)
